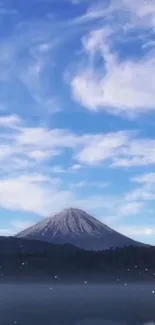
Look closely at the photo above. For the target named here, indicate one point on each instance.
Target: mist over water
(45, 304)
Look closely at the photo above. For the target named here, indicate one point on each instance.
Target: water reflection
(77, 305)
(105, 322)
(100, 322)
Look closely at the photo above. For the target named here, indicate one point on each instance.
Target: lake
(45, 304)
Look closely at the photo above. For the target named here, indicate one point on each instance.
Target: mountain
(77, 228)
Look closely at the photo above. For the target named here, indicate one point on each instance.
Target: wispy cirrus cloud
(136, 232)
(119, 85)
(26, 67)
(7, 10)
(15, 226)
(144, 190)
(104, 147)
(127, 13)
(84, 184)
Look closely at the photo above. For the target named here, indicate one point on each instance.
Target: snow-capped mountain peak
(69, 222)
(75, 222)
(76, 227)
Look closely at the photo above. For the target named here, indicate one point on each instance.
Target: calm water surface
(46, 304)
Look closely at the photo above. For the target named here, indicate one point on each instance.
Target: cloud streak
(119, 85)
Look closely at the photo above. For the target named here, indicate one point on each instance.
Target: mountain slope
(78, 228)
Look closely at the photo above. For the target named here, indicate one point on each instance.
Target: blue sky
(77, 112)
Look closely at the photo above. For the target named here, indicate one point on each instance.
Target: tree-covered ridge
(34, 258)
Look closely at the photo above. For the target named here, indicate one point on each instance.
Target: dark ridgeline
(74, 245)
(31, 258)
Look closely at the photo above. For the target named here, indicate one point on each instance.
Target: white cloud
(29, 145)
(121, 208)
(92, 14)
(19, 225)
(103, 147)
(59, 169)
(22, 146)
(32, 193)
(41, 155)
(41, 194)
(138, 152)
(46, 138)
(6, 232)
(92, 184)
(126, 12)
(69, 170)
(76, 167)
(148, 178)
(122, 88)
(130, 209)
(25, 149)
(15, 226)
(119, 86)
(121, 149)
(11, 121)
(145, 191)
(137, 231)
(141, 13)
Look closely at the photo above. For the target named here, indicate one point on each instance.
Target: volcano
(76, 227)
